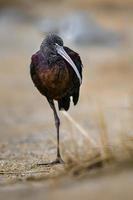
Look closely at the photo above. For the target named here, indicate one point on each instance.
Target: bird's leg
(57, 124)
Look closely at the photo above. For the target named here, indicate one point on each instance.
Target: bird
(56, 72)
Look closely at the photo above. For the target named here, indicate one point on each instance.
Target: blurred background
(101, 31)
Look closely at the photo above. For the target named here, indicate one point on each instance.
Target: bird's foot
(55, 162)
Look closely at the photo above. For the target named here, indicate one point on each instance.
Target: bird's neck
(50, 55)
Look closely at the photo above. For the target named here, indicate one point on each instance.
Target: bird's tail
(64, 103)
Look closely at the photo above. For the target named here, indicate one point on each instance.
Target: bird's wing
(64, 103)
(76, 59)
(34, 74)
(76, 87)
(33, 67)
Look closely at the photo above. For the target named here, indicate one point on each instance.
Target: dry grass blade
(80, 128)
(105, 146)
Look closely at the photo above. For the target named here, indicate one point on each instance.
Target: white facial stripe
(63, 53)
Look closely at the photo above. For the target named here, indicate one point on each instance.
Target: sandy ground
(104, 111)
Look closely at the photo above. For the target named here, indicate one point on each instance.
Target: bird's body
(53, 75)
(56, 80)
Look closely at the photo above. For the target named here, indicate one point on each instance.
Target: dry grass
(15, 169)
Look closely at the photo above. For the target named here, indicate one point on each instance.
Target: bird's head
(53, 43)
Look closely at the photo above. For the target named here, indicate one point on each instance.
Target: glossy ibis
(56, 71)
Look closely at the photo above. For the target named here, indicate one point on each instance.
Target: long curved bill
(63, 53)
